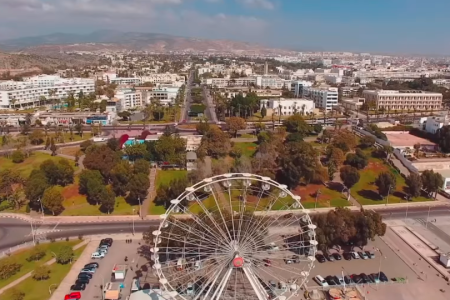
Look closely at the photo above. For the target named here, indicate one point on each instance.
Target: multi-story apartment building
(226, 82)
(162, 78)
(271, 81)
(287, 106)
(297, 87)
(325, 98)
(404, 100)
(125, 80)
(165, 95)
(127, 99)
(32, 91)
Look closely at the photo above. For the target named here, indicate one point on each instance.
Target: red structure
(123, 139)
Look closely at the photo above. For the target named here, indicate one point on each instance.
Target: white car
(98, 255)
(102, 250)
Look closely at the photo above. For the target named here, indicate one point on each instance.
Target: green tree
(35, 186)
(64, 254)
(101, 158)
(432, 182)
(16, 294)
(263, 112)
(41, 273)
(138, 188)
(36, 253)
(113, 144)
(53, 147)
(171, 149)
(298, 161)
(349, 176)
(358, 159)
(294, 137)
(87, 176)
(443, 137)
(36, 137)
(18, 156)
(60, 172)
(414, 183)
(386, 183)
(216, 142)
(367, 141)
(296, 123)
(52, 200)
(8, 267)
(202, 127)
(135, 151)
(141, 166)
(120, 177)
(335, 156)
(108, 201)
(235, 124)
(344, 140)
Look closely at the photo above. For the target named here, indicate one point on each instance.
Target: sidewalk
(151, 193)
(70, 278)
(29, 274)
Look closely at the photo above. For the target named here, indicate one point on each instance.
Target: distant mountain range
(117, 40)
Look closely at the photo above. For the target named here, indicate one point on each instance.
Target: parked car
(355, 255)
(85, 275)
(295, 259)
(107, 241)
(320, 258)
(84, 280)
(320, 280)
(78, 287)
(374, 277)
(365, 278)
(337, 256)
(330, 280)
(356, 279)
(288, 261)
(383, 277)
(347, 256)
(363, 255)
(73, 296)
(88, 270)
(92, 265)
(328, 257)
(97, 254)
(267, 262)
(370, 254)
(348, 280)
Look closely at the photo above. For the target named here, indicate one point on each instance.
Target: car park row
(351, 279)
(347, 256)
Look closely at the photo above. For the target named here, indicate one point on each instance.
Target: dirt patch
(69, 150)
(308, 193)
(376, 166)
(70, 191)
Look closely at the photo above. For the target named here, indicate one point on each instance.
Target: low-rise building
(404, 100)
(323, 97)
(128, 99)
(165, 94)
(126, 80)
(297, 87)
(287, 107)
(434, 123)
(353, 103)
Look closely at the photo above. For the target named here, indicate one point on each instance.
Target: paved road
(210, 107)
(184, 117)
(17, 232)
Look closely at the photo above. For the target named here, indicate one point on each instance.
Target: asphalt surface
(187, 99)
(210, 107)
(15, 231)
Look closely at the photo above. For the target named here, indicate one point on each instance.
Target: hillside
(116, 40)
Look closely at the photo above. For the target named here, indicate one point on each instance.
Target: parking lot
(385, 259)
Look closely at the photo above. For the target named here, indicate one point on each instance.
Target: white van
(97, 255)
(319, 279)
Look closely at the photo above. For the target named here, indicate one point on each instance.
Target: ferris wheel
(234, 236)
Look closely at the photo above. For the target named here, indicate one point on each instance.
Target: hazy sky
(406, 26)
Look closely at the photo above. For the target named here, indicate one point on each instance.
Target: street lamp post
(42, 207)
(50, 288)
(140, 210)
(133, 220)
(32, 232)
(428, 216)
(387, 197)
(379, 266)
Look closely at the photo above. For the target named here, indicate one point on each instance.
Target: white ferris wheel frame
(170, 291)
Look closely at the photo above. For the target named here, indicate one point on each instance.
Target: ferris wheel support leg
(256, 285)
(210, 283)
(222, 285)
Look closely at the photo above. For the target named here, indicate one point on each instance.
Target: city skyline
(383, 27)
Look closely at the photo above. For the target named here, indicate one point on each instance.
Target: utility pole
(133, 221)
(428, 216)
(32, 232)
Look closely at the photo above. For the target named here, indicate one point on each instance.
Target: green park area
(163, 178)
(246, 148)
(38, 288)
(327, 196)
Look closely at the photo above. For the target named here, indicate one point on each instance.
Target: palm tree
(13, 102)
(303, 109)
(42, 99)
(51, 95)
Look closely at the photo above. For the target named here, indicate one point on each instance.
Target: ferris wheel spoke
(231, 212)
(277, 267)
(177, 239)
(261, 192)
(221, 214)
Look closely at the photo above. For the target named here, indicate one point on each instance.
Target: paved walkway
(50, 262)
(151, 194)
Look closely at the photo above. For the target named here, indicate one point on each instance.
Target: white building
(287, 106)
(162, 78)
(434, 123)
(165, 94)
(226, 82)
(128, 99)
(125, 80)
(32, 91)
(323, 97)
(297, 87)
(273, 82)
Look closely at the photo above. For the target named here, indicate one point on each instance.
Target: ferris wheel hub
(238, 262)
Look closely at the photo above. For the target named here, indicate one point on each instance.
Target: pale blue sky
(403, 26)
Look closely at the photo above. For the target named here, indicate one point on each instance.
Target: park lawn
(71, 151)
(38, 290)
(247, 149)
(21, 258)
(30, 163)
(328, 197)
(366, 192)
(164, 177)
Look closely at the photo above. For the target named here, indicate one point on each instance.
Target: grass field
(247, 149)
(328, 197)
(366, 192)
(69, 150)
(38, 290)
(164, 178)
(32, 162)
(21, 256)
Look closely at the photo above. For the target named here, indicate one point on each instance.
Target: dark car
(91, 265)
(85, 275)
(337, 256)
(296, 259)
(347, 256)
(383, 277)
(330, 280)
(320, 258)
(348, 280)
(336, 279)
(108, 242)
(365, 278)
(356, 279)
(78, 287)
(370, 254)
(83, 280)
(328, 257)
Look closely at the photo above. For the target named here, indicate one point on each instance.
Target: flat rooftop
(404, 139)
